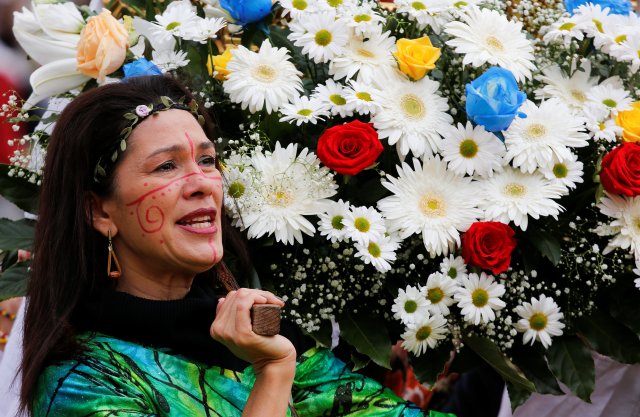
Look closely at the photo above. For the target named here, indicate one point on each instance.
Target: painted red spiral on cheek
(153, 219)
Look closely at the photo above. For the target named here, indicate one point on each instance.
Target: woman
(132, 186)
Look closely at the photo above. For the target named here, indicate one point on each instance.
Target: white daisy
(629, 50)
(470, 150)
(363, 19)
(439, 290)
(425, 333)
(177, 18)
(330, 224)
(571, 90)
(608, 98)
(204, 29)
(426, 13)
(169, 60)
(334, 95)
(410, 305)
(364, 57)
(262, 80)
(453, 267)
(564, 31)
(364, 224)
(431, 200)
(478, 297)
(545, 134)
(540, 320)
(323, 36)
(298, 8)
(412, 114)
(615, 30)
(304, 109)
(607, 130)
(626, 226)
(362, 97)
(238, 183)
(486, 36)
(591, 17)
(567, 172)
(378, 252)
(291, 186)
(513, 195)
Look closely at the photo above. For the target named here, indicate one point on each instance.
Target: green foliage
(19, 191)
(534, 365)
(13, 281)
(611, 338)
(429, 365)
(16, 235)
(368, 336)
(572, 363)
(623, 308)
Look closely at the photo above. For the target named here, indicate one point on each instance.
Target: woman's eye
(208, 160)
(166, 166)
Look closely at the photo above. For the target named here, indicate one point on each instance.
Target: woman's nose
(198, 185)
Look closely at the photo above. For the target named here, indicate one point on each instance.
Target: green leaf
(609, 337)
(548, 245)
(625, 304)
(517, 396)
(16, 235)
(323, 335)
(572, 363)
(430, 364)
(19, 191)
(359, 361)
(369, 336)
(488, 351)
(13, 281)
(130, 116)
(534, 365)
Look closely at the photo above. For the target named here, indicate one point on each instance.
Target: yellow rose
(630, 121)
(416, 56)
(219, 64)
(102, 47)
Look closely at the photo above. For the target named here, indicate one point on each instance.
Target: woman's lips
(201, 221)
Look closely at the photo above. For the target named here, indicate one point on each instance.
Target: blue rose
(139, 68)
(247, 11)
(615, 6)
(493, 99)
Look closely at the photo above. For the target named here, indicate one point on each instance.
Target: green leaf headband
(140, 113)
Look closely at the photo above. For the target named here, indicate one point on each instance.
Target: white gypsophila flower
(304, 109)
(362, 97)
(607, 130)
(262, 80)
(512, 195)
(472, 150)
(627, 50)
(334, 96)
(453, 267)
(424, 333)
(177, 18)
(430, 200)
(202, 30)
(439, 291)
(564, 31)
(485, 36)
(608, 98)
(363, 19)
(364, 56)
(290, 187)
(412, 114)
(169, 60)
(546, 133)
(378, 252)
(322, 37)
(330, 224)
(571, 90)
(539, 320)
(364, 224)
(567, 172)
(410, 305)
(478, 297)
(626, 224)
(298, 8)
(426, 13)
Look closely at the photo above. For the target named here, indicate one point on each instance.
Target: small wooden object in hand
(265, 318)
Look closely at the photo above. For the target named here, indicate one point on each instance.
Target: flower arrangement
(460, 176)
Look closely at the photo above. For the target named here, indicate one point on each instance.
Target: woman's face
(167, 198)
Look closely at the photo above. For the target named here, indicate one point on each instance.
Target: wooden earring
(117, 272)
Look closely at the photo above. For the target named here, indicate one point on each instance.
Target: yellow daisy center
(264, 73)
(535, 131)
(560, 170)
(579, 96)
(418, 5)
(460, 4)
(299, 4)
(620, 38)
(366, 53)
(361, 18)
(609, 102)
(480, 297)
(495, 43)
(337, 99)
(423, 333)
(336, 222)
(538, 321)
(515, 190)
(598, 25)
(323, 37)
(410, 306)
(364, 96)
(281, 198)
(374, 250)
(452, 273)
(636, 224)
(435, 295)
(432, 206)
(468, 148)
(236, 189)
(567, 26)
(172, 25)
(334, 3)
(305, 112)
(412, 106)
(362, 224)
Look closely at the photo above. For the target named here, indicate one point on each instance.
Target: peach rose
(102, 47)
(416, 56)
(630, 121)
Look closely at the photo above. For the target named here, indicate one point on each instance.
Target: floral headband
(140, 113)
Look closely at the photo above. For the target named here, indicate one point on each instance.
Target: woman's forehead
(167, 128)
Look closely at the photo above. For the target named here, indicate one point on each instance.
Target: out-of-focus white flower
(540, 320)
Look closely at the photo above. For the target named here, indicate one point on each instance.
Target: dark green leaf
(609, 337)
(548, 245)
(430, 364)
(13, 281)
(572, 363)
(123, 145)
(534, 365)
(16, 234)
(517, 396)
(369, 336)
(625, 304)
(130, 116)
(323, 336)
(19, 191)
(488, 351)
(359, 360)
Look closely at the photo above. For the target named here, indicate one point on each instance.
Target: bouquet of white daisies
(459, 176)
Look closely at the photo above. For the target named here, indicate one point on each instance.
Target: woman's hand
(232, 328)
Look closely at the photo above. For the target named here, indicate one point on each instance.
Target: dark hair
(69, 255)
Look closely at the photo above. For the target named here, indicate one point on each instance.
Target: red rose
(349, 148)
(620, 173)
(489, 246)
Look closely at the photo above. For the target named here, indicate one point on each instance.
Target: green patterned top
(112, 377)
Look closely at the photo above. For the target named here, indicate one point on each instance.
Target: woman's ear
(98, 215)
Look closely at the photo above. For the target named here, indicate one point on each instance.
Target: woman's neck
(166, 287)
